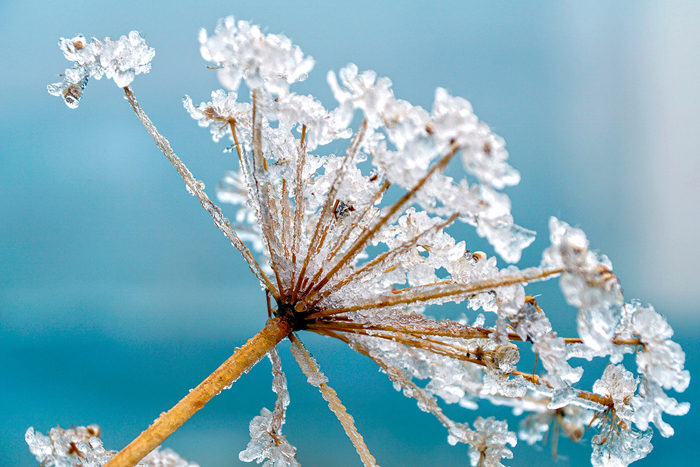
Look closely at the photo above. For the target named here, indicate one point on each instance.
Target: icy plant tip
(358, 246)
(119, 60)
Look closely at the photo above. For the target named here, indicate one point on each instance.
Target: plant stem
(240, 362)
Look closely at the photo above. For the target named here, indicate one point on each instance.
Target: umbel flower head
(355, 246)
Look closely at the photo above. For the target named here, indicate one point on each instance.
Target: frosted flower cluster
(120, 60)
(82, 447)
(244, 51)
(357, 245)
(489, 443)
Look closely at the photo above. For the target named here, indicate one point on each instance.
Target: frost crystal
(245, 52)
(488, 443)
(120, 60)
(82, 447)
(267, 443)
(661, 359)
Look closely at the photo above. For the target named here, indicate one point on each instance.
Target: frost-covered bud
(361, 91)
(80, 51)
(661, 360)
(71, 87)
(488, 442)
(619, 385)
(120, 60)
(270, 61)
(219, 114)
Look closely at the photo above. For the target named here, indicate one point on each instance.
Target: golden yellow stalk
(240, 362)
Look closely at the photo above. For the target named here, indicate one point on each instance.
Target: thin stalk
(299, 203)
(326, 213)
(240, 362)
(382, 259)
(368, 234)
(196, 189)
(446, 290)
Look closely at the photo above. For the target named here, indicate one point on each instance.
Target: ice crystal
(120, 60)
(82, 447)
(357, 245)
(245, 52)
(488, 444)
(267, 443)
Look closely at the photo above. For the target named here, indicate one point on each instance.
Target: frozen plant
(315, 219)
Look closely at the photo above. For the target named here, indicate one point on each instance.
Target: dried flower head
(355, 246)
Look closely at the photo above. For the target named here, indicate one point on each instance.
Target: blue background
(117, 294)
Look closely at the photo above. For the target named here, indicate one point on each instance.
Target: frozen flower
(357, 244)
(125, 58)
(619, 385)
(120, 60)
(488, 442)
(618, 444)
(82, 447)
(587, 282)
(266, 444)
(614, 447)
(661, 360)
(243, 51)
(364, 91)
(221, 114)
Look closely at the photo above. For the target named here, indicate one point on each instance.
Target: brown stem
(241, 361)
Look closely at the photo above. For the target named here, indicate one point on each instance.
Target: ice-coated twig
(196, 188)
(240, 362)
(308, 365)
(362, 241)
(325, 216)
(444, 290)
(267, 442)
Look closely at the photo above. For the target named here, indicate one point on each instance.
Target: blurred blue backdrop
(117, 294)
